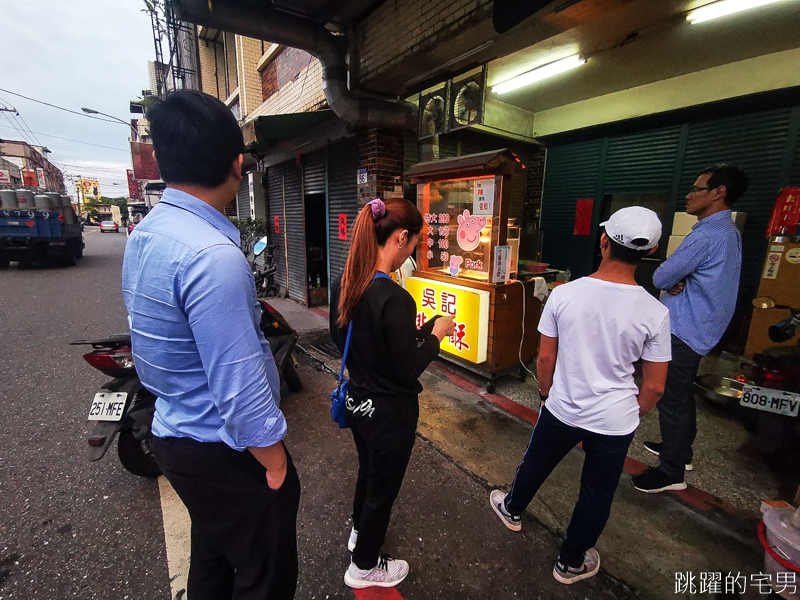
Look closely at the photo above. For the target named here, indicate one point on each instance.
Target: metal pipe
(264, 23)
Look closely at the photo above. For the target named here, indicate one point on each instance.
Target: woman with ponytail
(386, 357)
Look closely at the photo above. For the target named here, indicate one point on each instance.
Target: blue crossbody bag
(339, 395)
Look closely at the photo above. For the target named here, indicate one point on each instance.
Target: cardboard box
(674, 242)
(683, 223)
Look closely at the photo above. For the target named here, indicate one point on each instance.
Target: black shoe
(655, 480)
(655, 448)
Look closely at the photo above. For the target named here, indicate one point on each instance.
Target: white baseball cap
(634, 227)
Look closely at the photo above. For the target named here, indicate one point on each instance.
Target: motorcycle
(773, 386)
(124, 407)
(265, 278)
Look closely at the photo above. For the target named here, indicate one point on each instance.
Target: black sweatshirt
(387, 351)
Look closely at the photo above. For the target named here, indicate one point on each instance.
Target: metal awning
(273, 129)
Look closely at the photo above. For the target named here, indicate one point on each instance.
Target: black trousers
(384, 442)
(677, 410)
(244, 534)
(605, 457)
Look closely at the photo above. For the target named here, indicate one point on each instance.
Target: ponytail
(375, 223)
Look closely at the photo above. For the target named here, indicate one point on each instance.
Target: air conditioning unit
(258, 196)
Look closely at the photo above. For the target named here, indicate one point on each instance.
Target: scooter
(774, 386)
(264, 278)
(124, 407)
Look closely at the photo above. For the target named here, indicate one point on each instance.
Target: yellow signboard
(91, 188)
(468, 307)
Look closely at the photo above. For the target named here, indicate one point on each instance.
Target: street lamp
(91, 111)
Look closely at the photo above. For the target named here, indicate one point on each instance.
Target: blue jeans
(550, 442)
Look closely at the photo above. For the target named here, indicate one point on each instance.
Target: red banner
(29, 177)
(583, 217)
(342, 226)
(144, 165)
(133, 186)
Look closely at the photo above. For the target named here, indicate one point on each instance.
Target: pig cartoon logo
(469, 231)
(455, 265)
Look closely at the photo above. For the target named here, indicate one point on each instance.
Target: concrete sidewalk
(649, 538)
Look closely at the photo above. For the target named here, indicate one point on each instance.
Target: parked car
(109, 226)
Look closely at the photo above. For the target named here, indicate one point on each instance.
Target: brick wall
(248, 52)
(229, 53)
(212, 64)
(299, 94)
(400, 28)
(382, 152)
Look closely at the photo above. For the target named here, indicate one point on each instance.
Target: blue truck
(31, 235)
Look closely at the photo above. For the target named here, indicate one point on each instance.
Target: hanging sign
(483, 197)
(502, 264)
(5, 177)
(342, 226)
(469, 309)
(277, 224)
(29, 178)
(361, 177)
(42, 180)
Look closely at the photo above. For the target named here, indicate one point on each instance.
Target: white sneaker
(589, 568)
(497, 499)
(387, 573)
(351, 543)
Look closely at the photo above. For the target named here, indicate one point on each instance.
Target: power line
(76, 141)
(74, 112)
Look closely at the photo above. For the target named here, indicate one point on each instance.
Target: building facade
(18, 157)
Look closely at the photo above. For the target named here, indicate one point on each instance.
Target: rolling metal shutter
(314, 173)
(572, 172)
(243, 199)
(755, 142)
(641, 163)
(275, 210)
(343, 165)
(295, 232)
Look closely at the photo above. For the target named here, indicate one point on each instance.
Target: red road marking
(376, 593)
(319, 312)
(691, 495)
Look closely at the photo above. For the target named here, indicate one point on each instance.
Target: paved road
(68, 528)
(74, 529)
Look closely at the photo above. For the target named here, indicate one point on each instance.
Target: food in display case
(457, 237)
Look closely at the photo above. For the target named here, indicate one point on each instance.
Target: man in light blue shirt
(197, 345)
(702, 282)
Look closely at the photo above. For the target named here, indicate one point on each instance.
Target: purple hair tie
(378, 208)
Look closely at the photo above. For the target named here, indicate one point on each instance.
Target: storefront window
(456, 238)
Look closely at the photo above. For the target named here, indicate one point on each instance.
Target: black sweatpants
(384, 440)
(677, 410)
(244, 534)
(605, 457)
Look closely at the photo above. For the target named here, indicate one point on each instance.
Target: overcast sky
(83, 53)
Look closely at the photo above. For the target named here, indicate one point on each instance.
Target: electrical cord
(522, 339)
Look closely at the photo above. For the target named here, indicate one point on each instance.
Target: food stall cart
(467, 256)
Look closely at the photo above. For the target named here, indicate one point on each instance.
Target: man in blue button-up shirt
(197, 345)
(702, 282)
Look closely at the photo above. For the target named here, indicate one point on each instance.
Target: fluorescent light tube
(723, 8)
(539, 73)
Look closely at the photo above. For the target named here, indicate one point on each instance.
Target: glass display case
(467, 256)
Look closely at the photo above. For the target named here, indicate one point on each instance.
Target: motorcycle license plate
(108, 406)
(769, 400)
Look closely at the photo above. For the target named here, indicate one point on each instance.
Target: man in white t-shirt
(593, 330)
